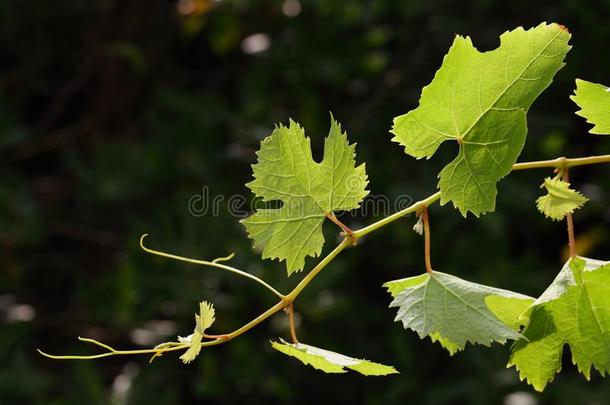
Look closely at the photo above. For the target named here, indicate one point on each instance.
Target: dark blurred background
(114, 114)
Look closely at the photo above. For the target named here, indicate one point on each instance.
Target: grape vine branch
(350, 238)
(489, 125)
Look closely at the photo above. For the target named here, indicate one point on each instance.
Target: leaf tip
(563, 28)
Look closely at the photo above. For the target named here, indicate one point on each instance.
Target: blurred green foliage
(114, 114)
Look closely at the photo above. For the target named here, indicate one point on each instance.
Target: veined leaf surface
(594, 102)
(454, 311)
(331, 362)
(560, 199)
(480, 100)
(574, 310)
(308, 190)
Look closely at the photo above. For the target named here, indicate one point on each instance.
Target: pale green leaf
(395, 287)
(206, 316)
(560, 199)
(453, 311)
(195, 347)
(594, 102)
(574, 310)
(480, 100)
(308, 190)
(510, 310)
(448, 345)
(331, 362)
(203, 321)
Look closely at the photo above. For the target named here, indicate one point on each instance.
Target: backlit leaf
(560, 199)
(308, 190)
(594, 102)
(203, 320)
(480, 101)
(331, 362)
(453, 311)
(574, 310)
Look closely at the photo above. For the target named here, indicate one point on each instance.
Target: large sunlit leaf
(453, 311)
(331, 362)
(574, 310)
(480, 101)
(287, 172)
(594, 102)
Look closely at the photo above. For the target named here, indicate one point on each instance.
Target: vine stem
(558, 163)
(293, 333)
(569, 219)
(561, 163)
(426, 220)
(346, 230)
(418, 206)
(288, 299)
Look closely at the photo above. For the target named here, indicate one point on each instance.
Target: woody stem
(348, 232)
(426, 220)
(290, 311)
(569, 218)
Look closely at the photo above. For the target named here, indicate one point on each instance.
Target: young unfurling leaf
(453, 311)
(560, 199)
(418, 228)
(203, 321)
(574, 310)
(480, 100)
(331, 362)
(308, 190)
(594, 102)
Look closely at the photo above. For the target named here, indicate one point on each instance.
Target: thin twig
(426, 220)
(287, 300)
(562, 162)
(213, 263)
(112, 352)
(346, 230)
(569, 218)
(290, 311)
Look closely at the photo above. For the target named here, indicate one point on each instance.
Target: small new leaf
(195, 347)
(206, 317)
(453, 311)
(574, 310)
(480, 101)
(594, 102)
(560, 199)
(331, 362)
(308, 190)
(203, 321)
(418, 228)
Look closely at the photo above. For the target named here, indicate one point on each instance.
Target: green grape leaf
(560, 199)
(203, 321)
(574, 310)
(510, 310)
(331, 362)
(480, 100)
(206, 317)
(453, 311)
(594, 102)
(448, 345)
(195, 347)
(308, 190)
